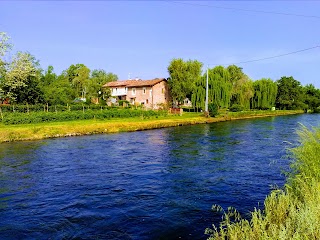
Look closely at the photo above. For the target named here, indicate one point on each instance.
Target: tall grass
(290, 213)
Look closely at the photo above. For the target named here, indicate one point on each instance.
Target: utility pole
(207, 90)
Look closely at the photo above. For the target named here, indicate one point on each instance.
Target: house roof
(134, 83)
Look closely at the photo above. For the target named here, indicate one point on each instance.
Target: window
(162, 91)
(147, 101)
(125, 89)
(133, 91)
(144, 90)
(116, 90)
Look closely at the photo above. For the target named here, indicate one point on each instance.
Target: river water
(155, 184)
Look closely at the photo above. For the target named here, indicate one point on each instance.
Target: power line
(276, 56)
(245, 10)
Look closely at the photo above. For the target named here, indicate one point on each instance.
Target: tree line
(23, 81)
(230, 88)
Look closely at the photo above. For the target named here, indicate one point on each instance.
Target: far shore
(25, 132)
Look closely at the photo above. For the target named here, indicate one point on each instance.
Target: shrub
(121, 102)
(236, 108)
(38, 117)
(213, 109)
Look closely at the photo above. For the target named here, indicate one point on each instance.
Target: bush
(38, 117)
(236, 108)
(213, 109)
(121, 102)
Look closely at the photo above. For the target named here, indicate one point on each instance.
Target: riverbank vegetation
(24, 82)
(39, 117)
(289, 213)
(231, 88)
(35, 131)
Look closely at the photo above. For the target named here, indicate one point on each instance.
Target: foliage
(21, 80)
(102, 77)
(236, 108)
(291, 213)
(50, 108)
(289, 95)
(122, 102)
(265, 93)
(242, 87)
(213, 109)
(5, 45)
(183, 76)
(77, 75)
(93, 86)
(312, 97)
(219, 91)
(38, 117)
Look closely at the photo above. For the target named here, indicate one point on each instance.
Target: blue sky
(142, 37)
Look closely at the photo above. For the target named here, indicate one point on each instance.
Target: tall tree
(242, 87)
(102, 77)
(98, 78)
(5, 46)
(59, 91)
(220, 88)
(77, 75)
(21, 81)
(183, 78)
(290, 94)
(265, 93)
(48, 77)
(312, 97)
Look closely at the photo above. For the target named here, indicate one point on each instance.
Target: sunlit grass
(36, 131)
(291, 213)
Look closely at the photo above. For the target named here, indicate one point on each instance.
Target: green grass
(289, 213)
(34, 131)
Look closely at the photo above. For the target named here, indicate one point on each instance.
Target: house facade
(151, 93)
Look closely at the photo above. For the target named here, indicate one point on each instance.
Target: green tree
(183, 78)
(242, 87)
(59, 91)
(48, 77)
(99, 77)
(265, 93)
(219, 92)
(102, 77)
(312, 97)
(56, 89)
(77, 75)
(21, 81)
(5, 46)
(290, 94)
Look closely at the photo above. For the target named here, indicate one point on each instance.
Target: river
(155, 184)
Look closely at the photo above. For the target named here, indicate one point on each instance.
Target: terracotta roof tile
(134, 83)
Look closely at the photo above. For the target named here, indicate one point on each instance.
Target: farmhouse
(151, 93)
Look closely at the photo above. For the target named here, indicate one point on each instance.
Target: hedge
(38, 117)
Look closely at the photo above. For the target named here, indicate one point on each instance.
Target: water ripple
(157, 184)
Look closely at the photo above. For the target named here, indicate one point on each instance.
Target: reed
(289, 213)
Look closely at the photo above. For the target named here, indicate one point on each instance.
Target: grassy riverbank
(291, 213)
(9, 133)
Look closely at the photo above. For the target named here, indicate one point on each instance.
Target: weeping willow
(242, 92)
(219, 91)
(265, 92)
